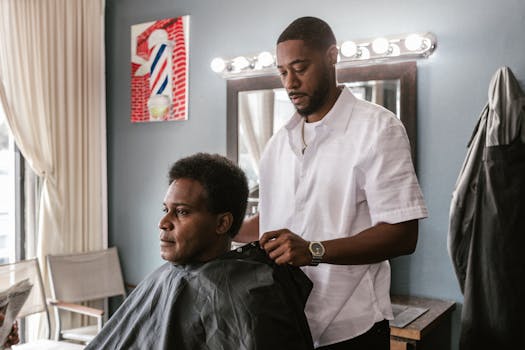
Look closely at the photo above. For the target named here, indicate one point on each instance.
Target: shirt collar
(337, 117)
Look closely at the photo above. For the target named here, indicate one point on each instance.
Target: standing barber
(338, 194)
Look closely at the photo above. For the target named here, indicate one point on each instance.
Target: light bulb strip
(351, 53)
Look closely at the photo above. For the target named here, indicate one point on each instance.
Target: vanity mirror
(259, 106)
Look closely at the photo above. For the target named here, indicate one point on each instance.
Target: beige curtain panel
(53, 92)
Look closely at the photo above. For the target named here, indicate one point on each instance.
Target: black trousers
(377, 338)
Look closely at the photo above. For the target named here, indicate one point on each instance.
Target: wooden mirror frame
(405, 72)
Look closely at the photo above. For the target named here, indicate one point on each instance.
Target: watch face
(317, 248)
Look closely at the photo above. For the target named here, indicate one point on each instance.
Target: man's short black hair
(224, 182)
(315, 32)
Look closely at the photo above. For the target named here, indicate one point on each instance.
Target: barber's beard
(318, 97)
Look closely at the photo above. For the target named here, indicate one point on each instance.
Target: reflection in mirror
(258, 107)
(262, 113)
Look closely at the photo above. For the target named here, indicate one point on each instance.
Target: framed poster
(159, 70)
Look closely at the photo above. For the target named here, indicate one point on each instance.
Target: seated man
(206, 296)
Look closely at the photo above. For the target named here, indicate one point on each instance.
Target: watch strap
(316, 259)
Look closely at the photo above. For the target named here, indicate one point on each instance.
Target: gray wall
(473, 41)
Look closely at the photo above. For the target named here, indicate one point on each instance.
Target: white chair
(79, 278)
(45, 344)
(35, 303)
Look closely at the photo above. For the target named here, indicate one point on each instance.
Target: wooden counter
(429, 331)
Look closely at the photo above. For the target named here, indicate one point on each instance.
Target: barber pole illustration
(159, 70)
(159, 103)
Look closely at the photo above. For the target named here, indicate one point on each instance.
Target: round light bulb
(240, 63)
(380, 45)
(348, 49)
(265, 59)
(413, 42)
(217, 65)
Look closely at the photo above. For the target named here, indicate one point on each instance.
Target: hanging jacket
(487, 222)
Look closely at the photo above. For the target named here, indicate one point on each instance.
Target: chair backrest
(86, 276)
(18, 271)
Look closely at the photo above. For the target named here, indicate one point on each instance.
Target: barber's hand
(12, 338)
(285, 247)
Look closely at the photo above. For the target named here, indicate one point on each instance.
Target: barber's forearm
(378, 243)
(249, 231)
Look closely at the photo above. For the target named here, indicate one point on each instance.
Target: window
(7, 193)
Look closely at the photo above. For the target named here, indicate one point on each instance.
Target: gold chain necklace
(302, 136)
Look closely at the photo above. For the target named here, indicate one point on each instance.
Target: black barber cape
(241, 300)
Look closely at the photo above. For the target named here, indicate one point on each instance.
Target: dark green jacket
(487, 223)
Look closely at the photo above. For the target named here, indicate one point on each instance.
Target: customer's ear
(224, 223)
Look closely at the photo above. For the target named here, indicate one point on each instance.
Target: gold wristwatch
(317, 250)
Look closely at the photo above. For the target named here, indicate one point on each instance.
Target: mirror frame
(405, 72)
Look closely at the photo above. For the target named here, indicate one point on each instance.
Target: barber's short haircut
(315, 32)
(224, 182)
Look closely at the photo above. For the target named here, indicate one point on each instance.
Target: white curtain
(256, 113)
(52, 88)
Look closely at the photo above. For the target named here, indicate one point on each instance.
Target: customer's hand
(12, 338)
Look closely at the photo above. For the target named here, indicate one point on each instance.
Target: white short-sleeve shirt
(355, 173)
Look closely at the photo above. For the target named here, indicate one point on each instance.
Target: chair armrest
(81, 309)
